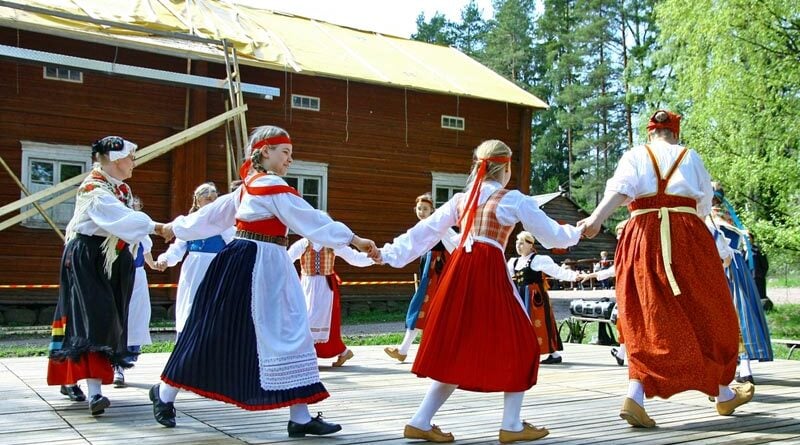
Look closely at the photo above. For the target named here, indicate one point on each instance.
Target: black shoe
(74, 393)
(550, 360)
(119, 377)
(740, 379)
(99, 404)
(620, 362)
(163, 412)
(316, 427)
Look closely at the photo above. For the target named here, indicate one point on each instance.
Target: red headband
(673, 122)
(274, 140)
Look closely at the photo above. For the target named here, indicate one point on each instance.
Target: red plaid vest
(486, 223)
(317, 263)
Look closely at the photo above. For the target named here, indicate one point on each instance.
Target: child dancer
(201, 252)
(478, 336)
(90, 322)
(431, 266)
(528, 272)
(679, 328)
(247, 341)
(321, 288)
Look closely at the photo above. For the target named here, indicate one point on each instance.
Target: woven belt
(279, 240)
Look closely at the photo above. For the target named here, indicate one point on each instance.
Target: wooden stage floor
(373, 397)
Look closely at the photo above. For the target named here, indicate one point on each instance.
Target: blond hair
(489, 149)
(203, 189)
(526, 236)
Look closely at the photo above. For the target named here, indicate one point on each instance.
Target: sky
(395, 17)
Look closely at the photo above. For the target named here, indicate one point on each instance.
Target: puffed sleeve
(544, 263)
(296, 249)
(307, 221)
(422, 237)
(115, 218)
(174, 253)
(625, 177)
(518, 207)
(212, 219)
(353, 257)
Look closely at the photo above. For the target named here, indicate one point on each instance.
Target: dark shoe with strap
(551, 360)
(99, 404)
(74, 393)
(316, 427)
(745, 379)
(620, 362)
(163, 412)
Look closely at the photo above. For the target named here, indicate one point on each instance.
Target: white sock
(725, 394)
(408, 340)
(167, 393)
(299, 413)
(621, 353)
(95, 387)
(744, 366)
(554, 354)
(434, 399)
(512, 405)
(636, 392)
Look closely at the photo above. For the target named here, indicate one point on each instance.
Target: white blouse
(635, 177)
(352, 256)
(514, 207)
(542, 263)
(291, 210)
(107, 215)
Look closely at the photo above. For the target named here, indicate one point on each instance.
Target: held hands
(368, 246)
(160, 265)
(590, 226)
(584, 277)
(164, 231)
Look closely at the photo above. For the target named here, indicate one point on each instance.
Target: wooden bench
(582, 322)
(792, 344)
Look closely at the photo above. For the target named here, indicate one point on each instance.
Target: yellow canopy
(273, 40)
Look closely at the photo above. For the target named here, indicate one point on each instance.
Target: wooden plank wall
(381, 144)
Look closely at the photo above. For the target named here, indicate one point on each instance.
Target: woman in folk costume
(201, 252)
(754, 331)
(247, 341)
(139, 310)
(431, 266)
(476, 303)
(90, 323)
(321, 288)
(677, 317)
(528, 272)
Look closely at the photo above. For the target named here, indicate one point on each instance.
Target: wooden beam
(142, 156)
(35, 204)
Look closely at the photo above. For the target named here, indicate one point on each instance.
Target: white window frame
(301, 169)
(455, 182)
(63, 79)
(310, 107)
(451, 122)
(77, 154)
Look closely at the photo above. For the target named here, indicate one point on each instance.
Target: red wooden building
(376, 120)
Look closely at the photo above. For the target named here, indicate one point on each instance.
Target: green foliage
(23, 351)
(374, 317)
(784, 321)
(438, 30)
(374, 339)
(736, 77)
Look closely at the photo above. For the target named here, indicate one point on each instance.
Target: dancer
(754, 331)
(321, 288)
(89, 333)
(478, 336)
(678, 324)
(431, 266)
(247, 341)
(528, 272)
(201, 252)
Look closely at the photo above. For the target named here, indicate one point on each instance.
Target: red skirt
(683, 342)
(477, 334)
(334, 346)
(91, 365)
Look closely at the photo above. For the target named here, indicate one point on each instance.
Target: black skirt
(92, 308)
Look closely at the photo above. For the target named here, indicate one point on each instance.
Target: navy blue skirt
(216, 354)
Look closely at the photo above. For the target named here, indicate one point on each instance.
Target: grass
(374, 317)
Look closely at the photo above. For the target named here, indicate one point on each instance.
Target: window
(445, 185)
(305, 102)
(45, 165)
(65, 74)
(452, 122)
(311, 180)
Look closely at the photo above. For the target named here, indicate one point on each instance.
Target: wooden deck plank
(373, 397)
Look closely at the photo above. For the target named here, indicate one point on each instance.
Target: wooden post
(35, 204)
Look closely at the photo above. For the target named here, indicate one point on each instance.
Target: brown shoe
(395, 354)
(528, 433)
(347, 355)
(634, 414)
(432, 435)
(742, 395)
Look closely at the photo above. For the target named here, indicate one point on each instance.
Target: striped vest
(486, 223)
(317, 263)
